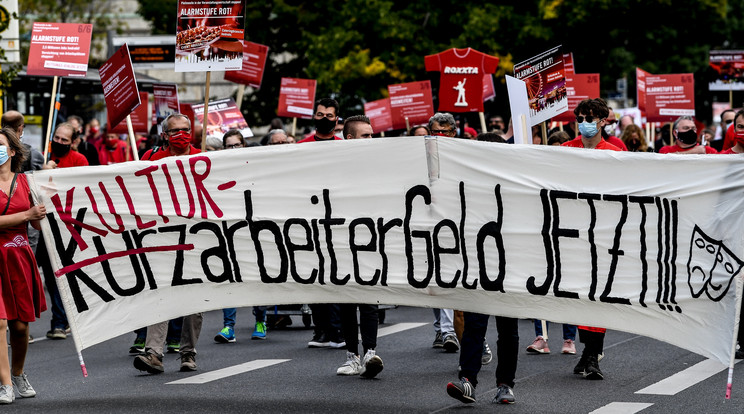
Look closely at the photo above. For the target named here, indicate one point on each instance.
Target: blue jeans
(507, 347)
(569, 331)
(229, 314)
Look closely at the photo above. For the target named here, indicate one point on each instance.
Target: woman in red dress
(21, 293)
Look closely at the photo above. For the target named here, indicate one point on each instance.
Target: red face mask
(739, 136)
(181, 141)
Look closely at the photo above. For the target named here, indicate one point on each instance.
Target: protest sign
(165, 100)
(579, 86)
(379, 115)
(727, 67)
(520, 110)
(254, 61)
(139, 117)
(669, 96)
(546, 84)
(461, 78)
(454, 224)
(222, 116)
(410, 104)
(568, 64)
(489, 91)
(641, 89)
(208, 34)
(10, 42)
(119, 86)
(59, 49)
(297, 98)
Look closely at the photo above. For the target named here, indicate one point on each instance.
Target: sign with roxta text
(461, 78)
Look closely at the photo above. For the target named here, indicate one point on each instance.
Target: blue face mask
(588, 129)
(4, 157)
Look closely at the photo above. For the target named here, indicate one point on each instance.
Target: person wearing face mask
(15, 121)
(737, 148)
(22, 295)
(176, 129)
(591, 115)
(325, 118)
(177, 137)
(634, 139)
(608, 132)
(685, 139)
(113, 150)
(722, 140)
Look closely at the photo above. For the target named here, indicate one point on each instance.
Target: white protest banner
(520, 108)
(414, 221)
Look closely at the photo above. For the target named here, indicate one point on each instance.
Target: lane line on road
(229, 371)
(685, 379)
(621, 408)
(399, 327)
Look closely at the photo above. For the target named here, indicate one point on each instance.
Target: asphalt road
(299, 379)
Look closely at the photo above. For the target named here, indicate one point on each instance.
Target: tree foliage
(356, 48)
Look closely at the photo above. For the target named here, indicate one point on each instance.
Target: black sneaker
(591, 371)
(438, 341)
(451, 344)
(320, 340)
(504, 395)
(462, 390)
(579, 368)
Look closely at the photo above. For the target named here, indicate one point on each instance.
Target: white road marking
(685, 379)
(398, 327)
(621, 408)
(229, 371)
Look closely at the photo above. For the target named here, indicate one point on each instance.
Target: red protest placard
(669, 96)
(568, 63)
(579, 86)
(254, 61)
(119, 86)
(165, 100)
(728, 70)
(139, 118)
(222, 116)
(641, 89)
(546, 84)
(379, 115)
(461, 78)
(410, 100)
(489, 91)
(297, 98)
(208, 34)
(59, 49)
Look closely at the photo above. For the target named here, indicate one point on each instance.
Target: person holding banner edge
(591, 115)
(177, 136)
(21, 295)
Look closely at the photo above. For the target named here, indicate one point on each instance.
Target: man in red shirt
(177, 135)
(685, 139)
(325, 118)
(62, 156)
(177, 132)
(591, 115)
(113, 150)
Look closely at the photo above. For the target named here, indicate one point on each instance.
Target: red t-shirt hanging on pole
(461, 79)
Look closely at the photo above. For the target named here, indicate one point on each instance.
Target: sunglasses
(588, 118)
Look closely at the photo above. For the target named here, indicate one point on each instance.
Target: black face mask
(325, 125)
(633, 145)
(60, 150)
(687, 137)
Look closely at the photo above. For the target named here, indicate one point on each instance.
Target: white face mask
(610, 129)
(339, 135)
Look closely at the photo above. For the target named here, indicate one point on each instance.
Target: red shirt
(669, 149)
(602, 145)
(163, 152)
(461, 70)
(728, 151)
(71, 159)
(120, 153)
(312, 138)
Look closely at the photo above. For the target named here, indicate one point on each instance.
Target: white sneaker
(24, 388)
(352, 366)
(6, 394)
(371, 364)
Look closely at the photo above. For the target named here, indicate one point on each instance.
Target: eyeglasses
(729, 121)
(328, 115)
(172, 132)
(441, 131)
(588, 118)
(231, 146)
